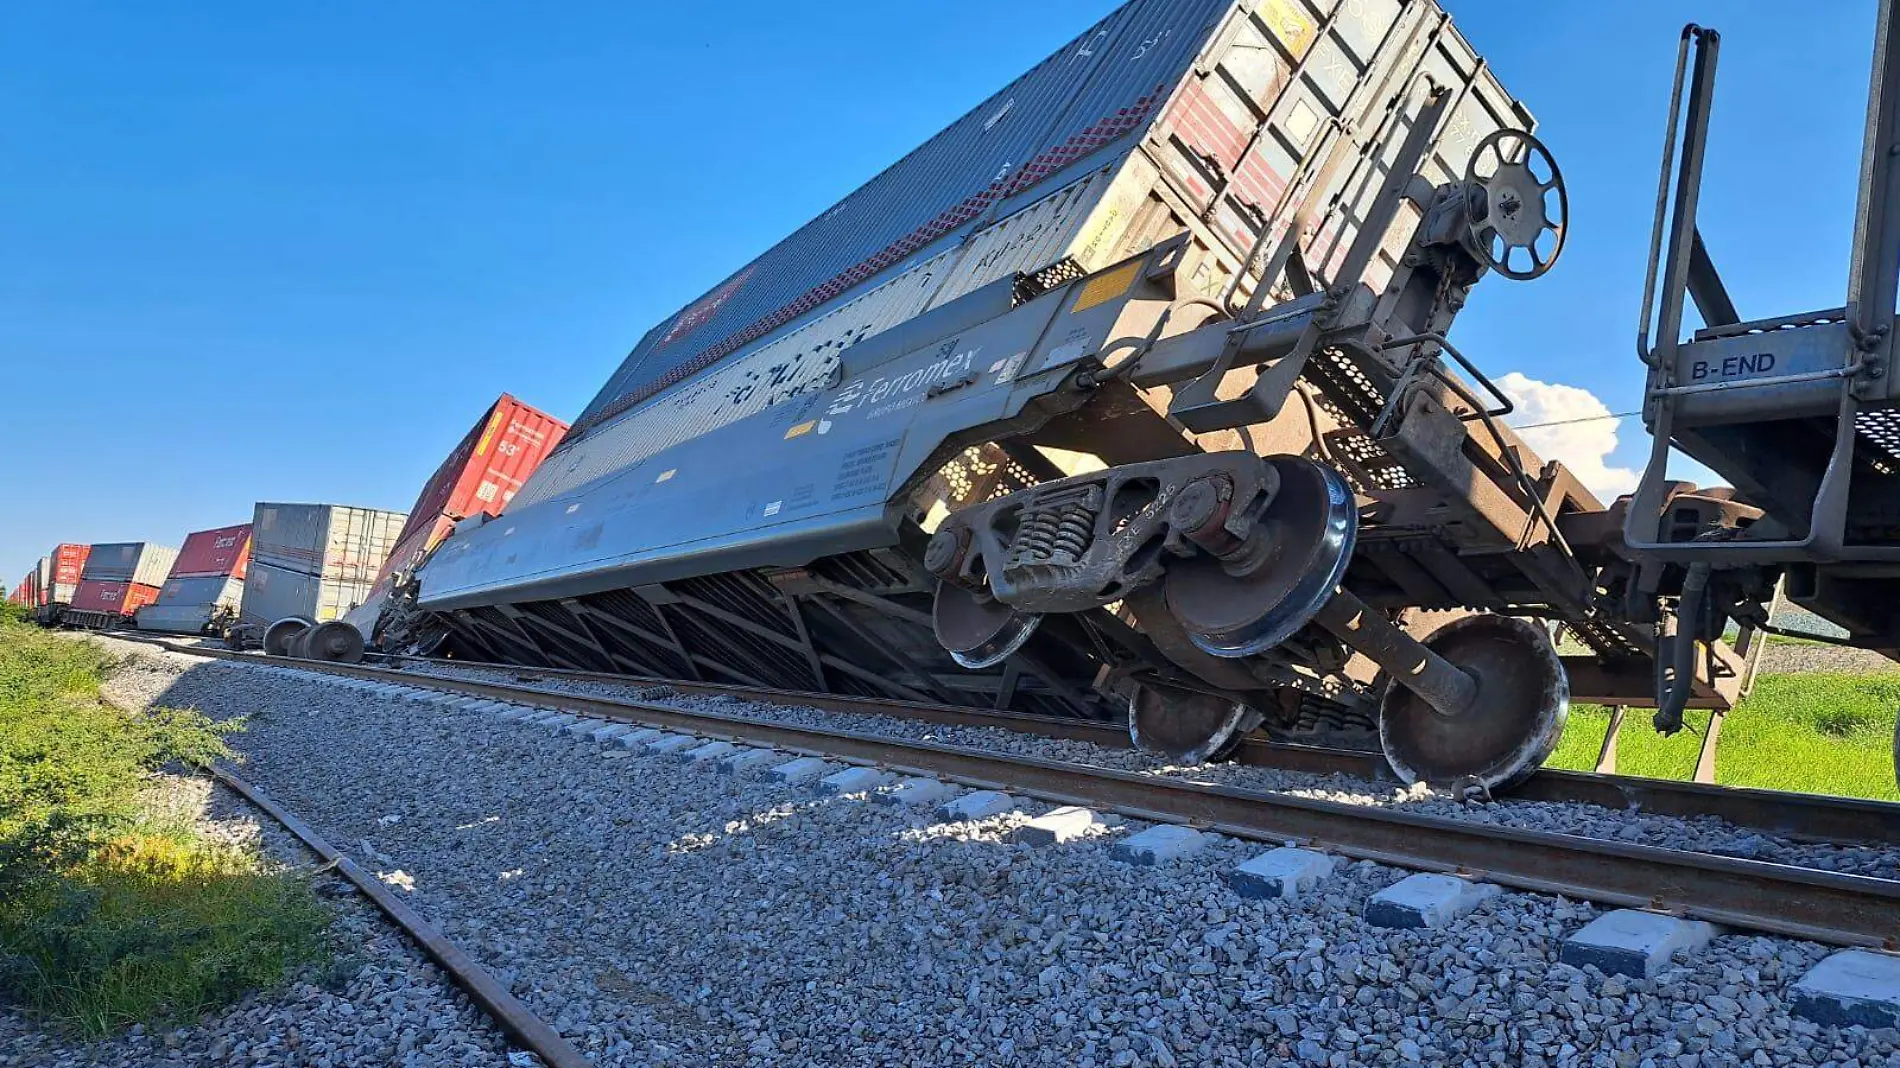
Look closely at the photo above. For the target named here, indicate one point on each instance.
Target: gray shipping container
(336, 542)
(1220, 101)
(274, 593)
(186, 605)
(130, 561)
(1167, 116)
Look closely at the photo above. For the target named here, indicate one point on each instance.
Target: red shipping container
(223, 551)
(69, 562)
(487, 469)
(114, 598)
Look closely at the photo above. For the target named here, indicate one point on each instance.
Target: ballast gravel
(1707, 834)
(377, 1000)
(658, 913)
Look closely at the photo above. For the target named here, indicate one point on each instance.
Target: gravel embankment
(378, 1001)
(1706, 834)
(656, 912)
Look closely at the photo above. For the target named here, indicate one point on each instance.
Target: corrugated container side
(488, 467)
(339, 542)
(1266, 92)
(68, 565)
(1100, 87)
(118, 598)
(202, 589)
(273, 593)
(186, 604)
(410, 551)
(174, 618)
(141, 562)
(223, 551)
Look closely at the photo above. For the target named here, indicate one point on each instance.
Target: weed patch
(107, 916)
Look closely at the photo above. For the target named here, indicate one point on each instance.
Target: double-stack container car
(118, 578)
(315, 561)
(206, 584)
(753, 486)
(60, 575)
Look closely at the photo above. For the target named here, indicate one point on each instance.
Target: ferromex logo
(887, 393)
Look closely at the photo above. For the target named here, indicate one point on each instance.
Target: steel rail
(1797, 816)
(521, 1025)
(1774, 898)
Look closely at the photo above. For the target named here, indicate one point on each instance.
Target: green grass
(109, 914)
(1815, 733)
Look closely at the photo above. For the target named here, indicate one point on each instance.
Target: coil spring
(1053, 535)
(1072, 537)
(1035, 538)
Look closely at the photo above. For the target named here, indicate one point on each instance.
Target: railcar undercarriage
(1234, 511)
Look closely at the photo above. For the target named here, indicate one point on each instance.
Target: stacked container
(61, 571)
(480, 477)
(206, 582)
(119, 578)
(490, 464)
(317, 561)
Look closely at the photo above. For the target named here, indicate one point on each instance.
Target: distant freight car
(63, 568)
(316, 561)
(205, 586)
(117, 579)
(102, 603)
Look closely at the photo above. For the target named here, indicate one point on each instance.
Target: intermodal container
(1168, 116)
(222, 551)
(138, 562)
(488, 466)
(66, 565)
(335, 542)
(1227, 99)
(480, 477)
(272, 593)
(187, 604)
(118, 599)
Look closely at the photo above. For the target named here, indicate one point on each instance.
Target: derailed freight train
(1126, 396)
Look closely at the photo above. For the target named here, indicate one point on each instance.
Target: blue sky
(249, 254)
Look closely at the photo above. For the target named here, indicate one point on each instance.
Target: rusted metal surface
(524, 1027)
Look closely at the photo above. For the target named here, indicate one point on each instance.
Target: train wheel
(1512, 724)
(979, 632)
(1186, 725)
(279, 635)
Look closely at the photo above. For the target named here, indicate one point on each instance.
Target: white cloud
(1583, 440)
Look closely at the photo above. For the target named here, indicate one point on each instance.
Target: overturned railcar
(1127, 396)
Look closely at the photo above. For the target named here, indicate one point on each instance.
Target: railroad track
(1799, 817)
(1839, 909)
